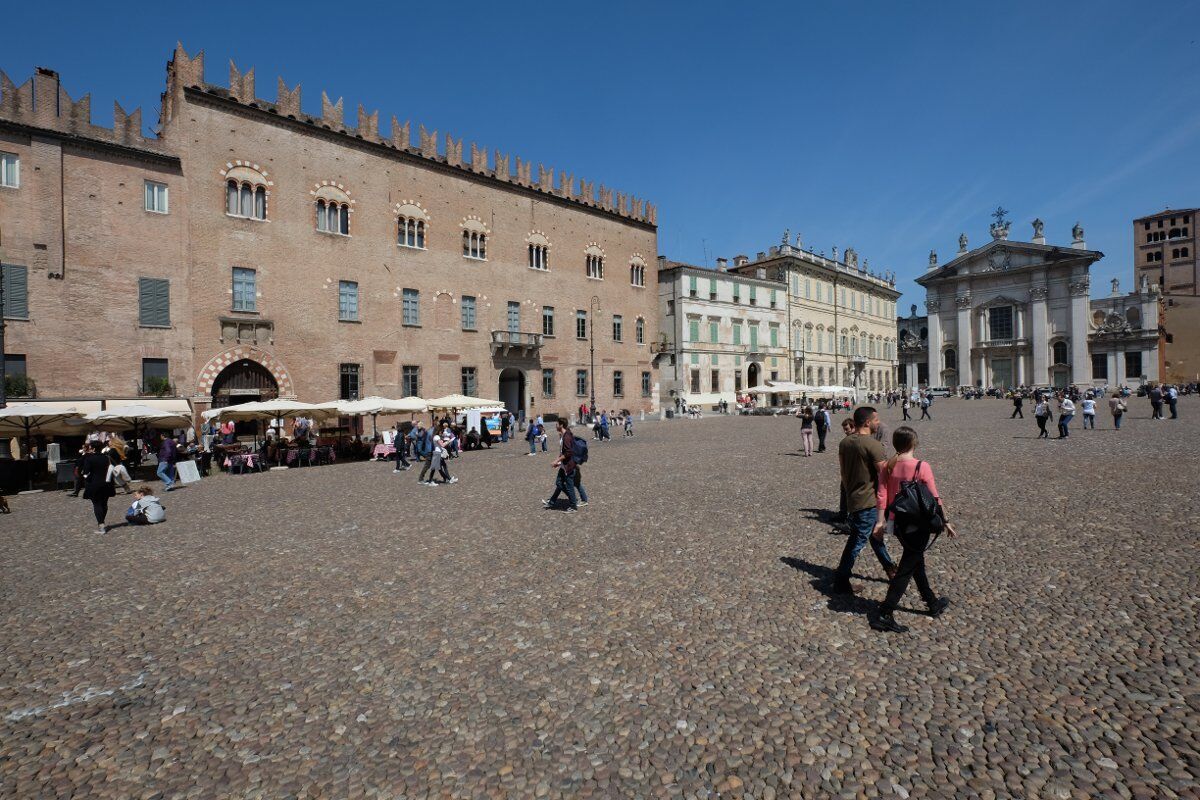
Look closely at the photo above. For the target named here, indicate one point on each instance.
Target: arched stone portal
(752, 375)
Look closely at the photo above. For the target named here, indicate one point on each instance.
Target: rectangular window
(774, 330)
(617, 327)
(807, 288)
(155, 377)
(14, 365)
(411, 307)
(712, 288)
(547, 320)
(469, 384)
(154, 302)
(348, 301)
(737, 333)
(753, 338)
(737, 381)
(692, 285)
(1133, 365)
(156, 197)
(753, 295)
(618, 383)
(695, 381)
(514, 316)
(547, 383)
(772, 298)
(1100, 366)
(245, 289)
(639, 329)
(410, 381)
(580, 324)
(645, 384)
(715, 384)
(1001, 321)
(713, 332)
(693, 330)
(10, 171)
(350, 375)
(737, 293)
(581, 382)
(468, 313)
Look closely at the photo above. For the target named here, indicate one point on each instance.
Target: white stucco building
(1018, 314)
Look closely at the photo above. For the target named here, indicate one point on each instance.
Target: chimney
(761, 256)
(740, 261)
(722, 265)
(774, 251)
(662, 262)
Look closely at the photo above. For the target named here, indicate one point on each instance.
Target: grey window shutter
(16, 291)
(154, 302)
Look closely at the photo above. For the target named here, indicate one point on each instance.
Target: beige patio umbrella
(26, 419)
(121, 418)
(460, 402)
(380, 405)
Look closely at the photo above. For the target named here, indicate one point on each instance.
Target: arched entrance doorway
(752, 375)
(244, 381)
(512, 390)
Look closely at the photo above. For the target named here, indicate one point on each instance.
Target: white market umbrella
(273, 409)
(460, 402)
(26, 419)
(381, 405)
(121, 418)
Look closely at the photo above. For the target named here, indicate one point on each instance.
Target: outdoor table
(383, 451)
(243, 462)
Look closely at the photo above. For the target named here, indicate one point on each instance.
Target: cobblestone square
(343, 632)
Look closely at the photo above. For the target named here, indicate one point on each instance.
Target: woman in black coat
(97, 486)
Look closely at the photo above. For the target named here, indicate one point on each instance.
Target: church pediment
(1002, 255)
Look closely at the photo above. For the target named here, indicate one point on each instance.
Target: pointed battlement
(187, 72)
(41, 102)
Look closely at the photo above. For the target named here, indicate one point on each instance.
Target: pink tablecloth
(383, 450)
(246, 459)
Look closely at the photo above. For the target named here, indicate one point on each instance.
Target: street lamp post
(593, 307)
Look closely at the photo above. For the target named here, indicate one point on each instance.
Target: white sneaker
(103, 529)
(453, 480)
(397, 471)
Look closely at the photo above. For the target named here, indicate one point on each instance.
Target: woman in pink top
(905, 467)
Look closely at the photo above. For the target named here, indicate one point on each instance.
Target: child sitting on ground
(146, 508)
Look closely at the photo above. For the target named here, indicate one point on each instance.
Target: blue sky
(890, 127)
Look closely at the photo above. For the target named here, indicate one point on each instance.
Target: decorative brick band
(244, 352)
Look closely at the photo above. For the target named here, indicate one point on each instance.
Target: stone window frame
(637, 271)
(538, 249)
(14, 159)
(412, 223)
(247, 177)
(593, 261)
(332, 196)
(639, 330)
(161, 190)
(474, 237)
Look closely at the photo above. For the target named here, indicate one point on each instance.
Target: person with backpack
(1042, 413)
(821, 422)
(908, 498)
(926, 402)
(573, 451)
(1116, 404)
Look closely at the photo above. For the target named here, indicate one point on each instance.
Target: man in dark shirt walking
(1018, 402)
(564, 483)
(861, 458)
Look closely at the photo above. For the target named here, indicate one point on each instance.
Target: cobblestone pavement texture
(343, 632)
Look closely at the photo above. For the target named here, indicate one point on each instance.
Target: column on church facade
(1020, 368)
(934, 360)
(965, 368)
(1039, 340)
(1114, 377)
(1081, 362)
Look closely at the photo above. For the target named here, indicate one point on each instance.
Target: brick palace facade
(251, 250)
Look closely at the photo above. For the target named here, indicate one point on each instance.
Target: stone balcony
(996, 344)
(516, 344)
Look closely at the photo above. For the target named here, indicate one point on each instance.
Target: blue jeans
(166, 472)
(578, 481)
(564, 484)
(533, 445)
(861, 523)
(1117, 421)
(1063, 422)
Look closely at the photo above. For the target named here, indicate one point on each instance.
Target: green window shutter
(16, 291)
(774, 337)
(693, 330)
(692, 284)
(712, 332)
(712, 286)
(753, 293)
(154, 302)
(754, 337)
(714, 359)
(695, 358)
(737, 334)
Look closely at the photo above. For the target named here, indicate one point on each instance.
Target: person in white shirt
(1089, 412)
(1172, 398)
(1041, 413)
(1066, 411)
